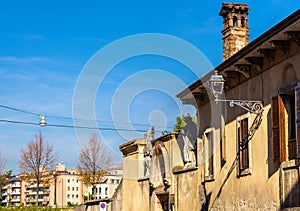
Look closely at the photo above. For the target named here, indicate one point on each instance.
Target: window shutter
(240, 145)
(297, 115)
(278, 129)
(275, 130)
(245, 143)
(223, 145)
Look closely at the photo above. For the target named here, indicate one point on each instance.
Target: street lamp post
(216, 86)
(55, 203)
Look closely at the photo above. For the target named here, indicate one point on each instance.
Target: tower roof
(231, 7)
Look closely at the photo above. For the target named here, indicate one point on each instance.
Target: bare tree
(37, 161)
(2, 163)
(93, 162)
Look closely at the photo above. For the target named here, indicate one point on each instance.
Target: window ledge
(290, 163)
(209, 178)
(244, 173)
(143, 179)
(185, 170)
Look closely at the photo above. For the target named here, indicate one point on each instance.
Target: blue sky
(46, 45)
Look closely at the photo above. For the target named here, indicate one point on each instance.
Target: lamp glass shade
(42, 122)
(216, 82)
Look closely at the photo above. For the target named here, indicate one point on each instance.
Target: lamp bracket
(255, 107)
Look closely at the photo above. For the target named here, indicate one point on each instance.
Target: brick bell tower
(235, 28)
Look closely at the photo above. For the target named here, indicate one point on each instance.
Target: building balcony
(35, 186)
(34, 193)
(31, 193)
(30, 200)
(16, 186)
(44, 200)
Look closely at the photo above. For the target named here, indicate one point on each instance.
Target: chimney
(235, 28)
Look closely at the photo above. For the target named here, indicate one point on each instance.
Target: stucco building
(66, 187)
(109, 183)
(245, 154)
(63, 188)
(18, 192)
(249, 158)
(11, 192)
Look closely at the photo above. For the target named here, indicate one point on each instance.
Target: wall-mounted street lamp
(216, 86)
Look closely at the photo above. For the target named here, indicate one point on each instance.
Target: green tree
(180, 122)
(3, 176)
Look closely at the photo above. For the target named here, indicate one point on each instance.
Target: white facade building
(108, 185)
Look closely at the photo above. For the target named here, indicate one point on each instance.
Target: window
(106, 189)
(68, 180)
(73, 189)
(68, 188)
(235, 21)
(77, 188)
(76, 196)
(243, 146)
(209, 140)
(68, 196)
(243, 22)
(286, 125)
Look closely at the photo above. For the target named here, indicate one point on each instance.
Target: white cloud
(24, 36)
(23, 60)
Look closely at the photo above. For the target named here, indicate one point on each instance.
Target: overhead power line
(73, 126)
(79, 119)
(19, 110)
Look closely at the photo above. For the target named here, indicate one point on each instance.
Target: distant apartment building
(11, 192)
(17, 192)
(63, 188)
(109, 183)
(66, 187)
(29, 194)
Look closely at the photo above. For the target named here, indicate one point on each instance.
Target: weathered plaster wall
(187, 194)
(259, 190)
(116, 203)
(132, 196)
